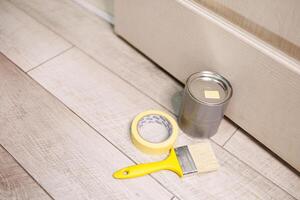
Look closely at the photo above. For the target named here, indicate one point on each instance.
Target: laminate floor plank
(96, 37)
(15, 183)
(68, 158)
(257, 157)
(24, 40)
(100, 42)
(108, 104)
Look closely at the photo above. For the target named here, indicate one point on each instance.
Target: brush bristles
(204, 157)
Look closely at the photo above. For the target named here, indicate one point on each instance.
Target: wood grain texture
(63, 154)
(15, 183)
(96, 38)
(109, 104)
(191, 38)
(258, 158)
(273, 21)
(279, 17)
(24, 40)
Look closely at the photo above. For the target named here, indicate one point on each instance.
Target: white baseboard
(97, 11)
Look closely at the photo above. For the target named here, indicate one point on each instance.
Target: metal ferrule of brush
(185, 160)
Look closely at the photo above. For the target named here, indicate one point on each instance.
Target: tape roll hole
(154, 128)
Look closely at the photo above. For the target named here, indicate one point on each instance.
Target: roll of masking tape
(161, 118)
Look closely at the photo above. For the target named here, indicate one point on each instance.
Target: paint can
(205, 98)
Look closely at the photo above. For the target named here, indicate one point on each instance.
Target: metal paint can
(205, 98)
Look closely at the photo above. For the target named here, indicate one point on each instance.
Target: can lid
(209, 88)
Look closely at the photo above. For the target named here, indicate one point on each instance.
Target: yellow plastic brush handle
(170, 163)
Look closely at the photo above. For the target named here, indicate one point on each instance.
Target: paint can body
(205, 98)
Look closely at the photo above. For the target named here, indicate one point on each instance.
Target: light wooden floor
(65, 113)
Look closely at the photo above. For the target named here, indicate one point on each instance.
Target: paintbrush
(184, 160)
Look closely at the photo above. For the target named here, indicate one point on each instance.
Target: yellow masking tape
(156, 116)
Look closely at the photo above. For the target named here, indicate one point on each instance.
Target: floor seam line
(103, 65)
(47, 193)
(43, 24)
(238, 128)
(49, 59)
(275, 184)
